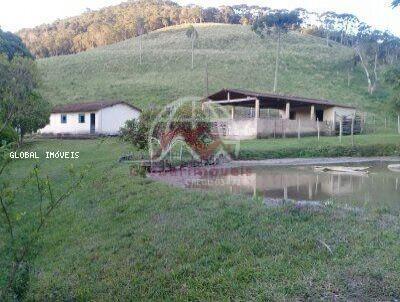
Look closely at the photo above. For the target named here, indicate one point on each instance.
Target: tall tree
(140, 31)
(392, 77)
(367, 48)
(390, 48)
(12, 45)
(193, 35)
(210, 14)
(227, 15)
(19, 79)
(328, 19)
(278, 23)
(33, 116)
(346, 22)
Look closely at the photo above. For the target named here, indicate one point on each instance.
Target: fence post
(334, 124)
(298, 128)
(374, 121)
(385, 122)
(363, 123)
(340, 129)
(352, 130)
(398, 123)
(318, 130)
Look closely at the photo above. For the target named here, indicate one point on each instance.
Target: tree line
(373, 49)
(135, 18)
(22, 109)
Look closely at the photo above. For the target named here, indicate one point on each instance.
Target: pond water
(380, 187)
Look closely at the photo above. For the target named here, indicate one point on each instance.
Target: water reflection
(298, 183)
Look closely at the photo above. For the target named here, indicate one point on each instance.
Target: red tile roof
(88, 107)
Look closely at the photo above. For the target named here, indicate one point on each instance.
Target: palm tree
(395, 3)
(140, 31)
(278, 22)
(193, 35)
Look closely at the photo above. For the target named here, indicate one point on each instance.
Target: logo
(190, 130)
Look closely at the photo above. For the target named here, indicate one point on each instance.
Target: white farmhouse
(101, 117)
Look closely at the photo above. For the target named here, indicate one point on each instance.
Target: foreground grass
(364, 145)
(128, 238)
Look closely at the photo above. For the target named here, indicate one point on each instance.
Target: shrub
(8, 135)
(136, 131)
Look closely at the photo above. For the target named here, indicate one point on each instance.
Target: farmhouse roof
(238, 96)
(88, 107)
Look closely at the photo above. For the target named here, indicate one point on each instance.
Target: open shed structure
(294, 114)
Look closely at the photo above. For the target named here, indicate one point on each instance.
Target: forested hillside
(235, 55)
(133, 18)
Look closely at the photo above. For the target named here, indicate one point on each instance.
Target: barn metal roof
(278, 99)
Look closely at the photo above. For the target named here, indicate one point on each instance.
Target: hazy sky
(16, 14)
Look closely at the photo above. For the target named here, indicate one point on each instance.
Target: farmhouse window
(81, 118)
(63, 118)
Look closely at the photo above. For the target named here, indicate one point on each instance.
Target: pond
(380, 187)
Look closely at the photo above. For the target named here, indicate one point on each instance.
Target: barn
(262, 115)
(96, 118)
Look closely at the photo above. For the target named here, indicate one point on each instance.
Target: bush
(136, 131)
(8, 135)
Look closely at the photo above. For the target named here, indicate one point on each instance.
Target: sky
(17, 14)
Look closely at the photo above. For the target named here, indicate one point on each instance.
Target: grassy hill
(236, 58)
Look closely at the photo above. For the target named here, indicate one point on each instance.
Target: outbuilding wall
(241, 129)
(268, 128)
(329, 114)
(114, 117)
(72, 126)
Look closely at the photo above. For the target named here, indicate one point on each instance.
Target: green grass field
(128, 238)
(236, 57)
(382, 144)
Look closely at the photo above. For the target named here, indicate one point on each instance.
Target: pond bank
(279, 180)
(311, 161)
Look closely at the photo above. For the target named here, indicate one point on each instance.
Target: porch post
(312, 115)
(233, 112)
(287, 112)
(334, 123)
(257, 109)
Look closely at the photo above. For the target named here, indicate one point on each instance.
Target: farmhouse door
(92, 122)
